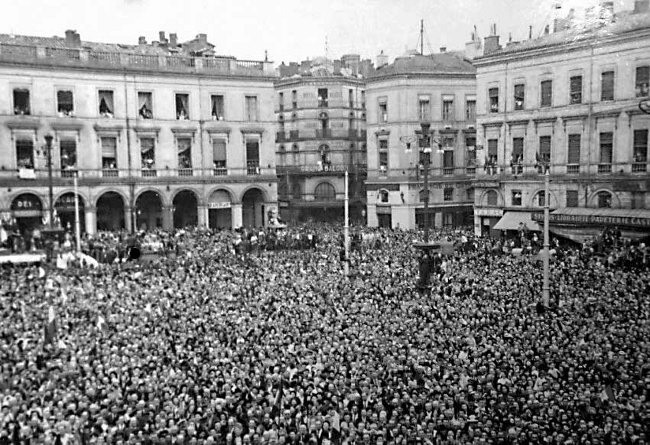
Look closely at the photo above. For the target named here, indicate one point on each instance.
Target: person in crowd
(208, 345)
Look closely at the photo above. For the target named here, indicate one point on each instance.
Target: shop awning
(511, 221)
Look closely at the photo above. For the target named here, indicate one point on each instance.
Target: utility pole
(421, 37)
(48, 147)
(346, 227)
(546, 256)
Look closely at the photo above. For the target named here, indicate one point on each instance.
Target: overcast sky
(291, 30)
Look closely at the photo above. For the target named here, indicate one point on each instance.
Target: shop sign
(26, 202)
(219, 205)
(488, 212)
(596, 220)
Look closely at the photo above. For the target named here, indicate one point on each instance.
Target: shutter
(492, 147)
(606, 142)
(252, 151)
(109, 147)
(448, 160)
(574, 149)
(219, 150)
(517, 147)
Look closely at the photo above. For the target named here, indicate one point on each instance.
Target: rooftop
(443, 63)
(194, 56)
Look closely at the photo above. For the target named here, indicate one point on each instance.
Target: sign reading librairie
(594, 220)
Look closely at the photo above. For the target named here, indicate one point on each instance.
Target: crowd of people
(212, 345)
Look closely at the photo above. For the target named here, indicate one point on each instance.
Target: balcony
(639, 167)
(220, 171)
(604, 168)
(69, 172)
(185, 172)
(110, 173)
(470, 171)
(448, 171)
(573, 169)
(149, 173)
(252, 168)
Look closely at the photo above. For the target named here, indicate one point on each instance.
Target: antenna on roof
(266, 55)
(421, 37)
(327, 49)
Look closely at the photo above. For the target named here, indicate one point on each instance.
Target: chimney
(547, 29)
(382, 59)
(77, 39)
(161, 37)
(173, 40)
(142, 40)
(202, 38)
(69, 37)
(443, 49)
(641, 6)
(530, 32)
(492, 41)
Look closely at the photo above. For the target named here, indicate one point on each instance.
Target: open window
(575, 87)
(322, 97)
(21, 101)
(182, 106)
(184, 146)
(25, 153)
(106, 106)
(493, 96)
(148, 156)
(145, 105)
(519, 96)
(68, 155)
(65, 103)
(219, 156)
(642, 83)
(217, 107)
(109, 156)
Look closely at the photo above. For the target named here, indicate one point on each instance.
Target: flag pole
(76, 212)
(346, 227)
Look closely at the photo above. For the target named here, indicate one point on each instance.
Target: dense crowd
(211, 345)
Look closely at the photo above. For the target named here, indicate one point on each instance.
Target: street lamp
(544, 164)
(425, 158)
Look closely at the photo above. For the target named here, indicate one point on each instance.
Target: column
(202, 213)
(237, 216)
(91, 220)
(168, 217)
(128, 218)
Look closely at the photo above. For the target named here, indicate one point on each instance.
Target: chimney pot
(161, 36)
(142, 40)
(641, 6)
(69, 37)
(173, 39)
(443, 49)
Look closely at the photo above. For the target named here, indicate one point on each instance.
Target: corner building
(569, 100)
(160, 135)
(321, 135)
(437, 89)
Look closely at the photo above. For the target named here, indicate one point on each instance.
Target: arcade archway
(27, 209)
(220, 210)
(110, 212)
(65, 209)
(148, 210)
(253, 208)
(185, 209)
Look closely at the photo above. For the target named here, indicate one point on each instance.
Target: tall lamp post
(425, 152)
(48, 148)
(546, 259)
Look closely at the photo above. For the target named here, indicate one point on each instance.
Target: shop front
(484, 221)
(27, 210)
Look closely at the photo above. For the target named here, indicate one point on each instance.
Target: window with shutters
(546, 93)
(253, 156)
(251, 109)
(606, 150)
(65, 103)
(21, 101)
(470, 146)
(492, 151)
(517, 161)
(575, 90)
(448, 194)
(182, 106)
(572, 198)
(219, 157)
(448, 162)
(470, 109)
(109, 156)
(519, 96)
(448, 113)
(640, 146)
(25, 153)
(424, 108)
(642, 81)
(607, 85)
(493, 97)
(106, 105)
(573, 156)
(217, 107)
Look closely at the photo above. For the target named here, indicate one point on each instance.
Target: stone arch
(110, 210)
(161, 194)
(326, 190)
(485, 195)
(552, 203)
(594, 197)
(149, 205)
(197, 194)
(253, 199)
(185, 204)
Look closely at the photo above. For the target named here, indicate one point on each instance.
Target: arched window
(325, 192)
(383, 196)
(541, 198)
(604, 200)
(423, 195)
(296, 190)
(492, 198)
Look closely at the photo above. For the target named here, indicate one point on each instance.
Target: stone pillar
(91, 219)
(373, 221)
(128, 218)
(437, 219)
(202, 213)
(168, 217)
(237, 216)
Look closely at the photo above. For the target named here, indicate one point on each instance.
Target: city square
(443, 246)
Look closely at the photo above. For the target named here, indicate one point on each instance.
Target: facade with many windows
(159, 135)
(439, 90)
(569, 102)
(321, 135)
